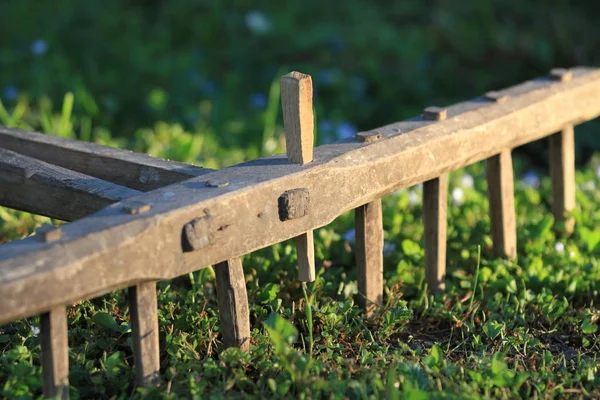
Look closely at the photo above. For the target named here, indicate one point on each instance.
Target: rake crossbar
(228, 213)
(123, 167)
(37, 187)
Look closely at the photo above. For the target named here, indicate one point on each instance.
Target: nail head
(498, 97)
(560, 74)
(367, 137)
(49, 233)
(136, 208)
(217, 183)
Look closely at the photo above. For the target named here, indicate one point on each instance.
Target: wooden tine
(562, 175)
(233, 304)
(144, 328)
(55, 353)
(298, 120)
(502, 204)
(368, 223)
(435, 205)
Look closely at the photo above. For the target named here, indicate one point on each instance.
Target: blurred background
(197, 80)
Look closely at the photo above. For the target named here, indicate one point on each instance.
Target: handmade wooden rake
(140, 219)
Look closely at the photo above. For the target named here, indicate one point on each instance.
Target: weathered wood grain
(233, 304)
(368, 223)
(31, 185)
(562, 175)
(298, 120)
(144, 327)
(55, 353)
(305, 248)
(435, 206)
(502, 204)
(244, 216)
(123, 167)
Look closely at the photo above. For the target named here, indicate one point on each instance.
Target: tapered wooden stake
(55, 353)
(298, 121)
(368, 222)
(562, 174)
(435, 205)
(502, 204)
(233, 304)
(144, 325)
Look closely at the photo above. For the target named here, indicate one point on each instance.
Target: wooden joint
(197, 234)
(495, 96)
(434, 114)
(49, 233)
(560, 74)
(368, 137)
(136, 207)
(293, 204)
(217, 183)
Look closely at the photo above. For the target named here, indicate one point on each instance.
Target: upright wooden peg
(562, 174)
(298, 118)
(298, 122)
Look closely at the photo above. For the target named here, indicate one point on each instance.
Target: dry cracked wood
(123, 167)
(502, 204)
(31, 185)
(243, 216)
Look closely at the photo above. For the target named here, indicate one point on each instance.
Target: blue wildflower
(10, 93)
(531, 179)
(38, 47)
(346, 130)
(325, 126)
(258, 100)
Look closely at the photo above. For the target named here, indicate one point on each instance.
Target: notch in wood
(434, 114)
(495, 96)
(298, 117)
(560, 74)
(368, 137)
(49, 233)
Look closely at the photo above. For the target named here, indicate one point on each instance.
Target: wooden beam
(435, 206)
(123, 167)
(502, 204)
(233, 304)
(298, 120)
(368, 223)
(244, 216)
(55, 353)
(144, 326)
(34, 186)
(562, 175)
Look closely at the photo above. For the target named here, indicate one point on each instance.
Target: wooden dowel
(55, 353)
(368, 222)
(144, 326)
(502, 204)
(298, 120)
(435, 205)
(562, 175)
(233, 304)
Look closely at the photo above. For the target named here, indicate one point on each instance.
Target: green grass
(196, 81)
(501, 329)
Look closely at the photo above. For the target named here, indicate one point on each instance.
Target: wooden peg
(562, 175)
(368, 225)
(233, 304)
(55, 353)
(435, 207)
(144, 328)
(298, 118)
(299, 121)
(502, 205)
